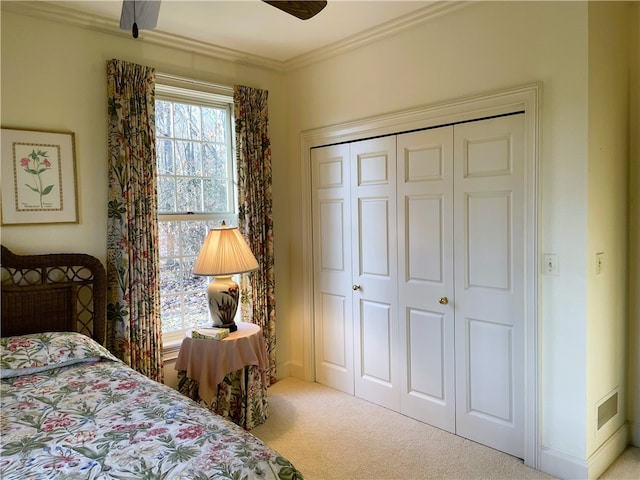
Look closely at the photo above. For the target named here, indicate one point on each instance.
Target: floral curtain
(134, 331)
(255, 221)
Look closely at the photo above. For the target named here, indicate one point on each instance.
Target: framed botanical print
(38, 177)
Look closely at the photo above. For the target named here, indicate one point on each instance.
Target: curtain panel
(134, 330)
(255, 205)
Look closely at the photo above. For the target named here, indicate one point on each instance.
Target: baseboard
(568, 467)
(611, 449)
(294, 370)
(634, 432)
(562, 465)
(283, 370)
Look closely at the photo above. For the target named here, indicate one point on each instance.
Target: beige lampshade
(224, 252)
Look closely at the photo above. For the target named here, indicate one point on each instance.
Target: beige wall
(54, 78)
(607, 215)
(634, 228)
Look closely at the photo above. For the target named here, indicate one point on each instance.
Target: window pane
(214, 122)
(193, 234)
(214, 157)
(167, 194)
(168, 238)
(171, 306)
(170, 276)
(186, 121)
(164, 154)
(163, 119)
(188, 158)
(196, 310)
(189, 191)
(190, 281)
(215, 196)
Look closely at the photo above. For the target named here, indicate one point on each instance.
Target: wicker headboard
(54, 292)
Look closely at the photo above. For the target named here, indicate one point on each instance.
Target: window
(194, 150)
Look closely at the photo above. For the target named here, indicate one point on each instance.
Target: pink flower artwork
(37, 163)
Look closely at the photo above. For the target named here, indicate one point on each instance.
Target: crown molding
(57, 12)
(388, 29)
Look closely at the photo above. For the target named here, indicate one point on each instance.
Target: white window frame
(181, 90)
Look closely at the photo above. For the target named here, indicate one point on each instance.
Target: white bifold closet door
(490, 272)
(419, 275)
(355, 269)
(375, 271)
(426, 272)
(333, 295)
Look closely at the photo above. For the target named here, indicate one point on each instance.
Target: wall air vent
(607, 410)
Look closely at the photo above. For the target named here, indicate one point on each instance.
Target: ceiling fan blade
(303, 10)
(144, 13)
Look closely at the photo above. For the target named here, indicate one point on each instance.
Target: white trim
(283, 370)
(561, 465)
(524, 98)
(58, 12)
(634, 433)
(568, 467)
(604, 456)
(297, 370)
(379, 32)
(174, 86)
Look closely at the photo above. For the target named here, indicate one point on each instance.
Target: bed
(70, 409)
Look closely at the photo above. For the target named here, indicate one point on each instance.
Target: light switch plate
(599, 262)
(550, 264)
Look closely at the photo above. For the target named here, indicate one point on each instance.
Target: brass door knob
(356, 287)
(444, 300)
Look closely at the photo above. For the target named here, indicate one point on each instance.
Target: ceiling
(258, 29)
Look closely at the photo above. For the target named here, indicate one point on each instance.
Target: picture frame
(38, 177)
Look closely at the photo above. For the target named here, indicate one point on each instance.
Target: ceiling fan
(143, 14)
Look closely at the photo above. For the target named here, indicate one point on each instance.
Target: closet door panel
(490, 280)
(424, 238)
(375, 279)
(426, 355)
(425, 274)
(488, 249)
(490, 347)
(334, 334)
(375, 331)
(333, 320)
(374, 236)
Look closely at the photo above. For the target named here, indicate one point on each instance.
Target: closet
(419, 275)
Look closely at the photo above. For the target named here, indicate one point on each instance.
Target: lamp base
(222, 295)
(231, 326)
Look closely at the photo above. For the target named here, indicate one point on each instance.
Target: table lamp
(224, 253)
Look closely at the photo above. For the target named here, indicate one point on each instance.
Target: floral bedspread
(95, 418)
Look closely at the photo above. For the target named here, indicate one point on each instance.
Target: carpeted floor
(328, 435)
